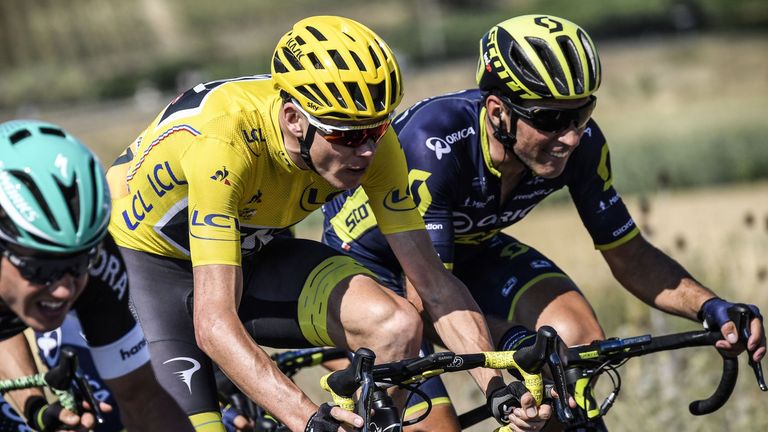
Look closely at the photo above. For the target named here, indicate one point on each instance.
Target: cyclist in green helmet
(54, 212)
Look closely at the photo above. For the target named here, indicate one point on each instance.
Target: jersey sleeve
(433, 185)
(591, 186)
(386, 185)
(114, 338)
(216, 174)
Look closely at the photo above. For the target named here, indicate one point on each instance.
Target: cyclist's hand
(330, 418)
(714, 312)
(44, 417)
(233, 419)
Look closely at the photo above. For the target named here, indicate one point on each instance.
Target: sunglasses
(45, 270)
(348, 135)
(553, 119)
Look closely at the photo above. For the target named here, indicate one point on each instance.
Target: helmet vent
(94, 173)
(521, 66)
(340, 63)
(315, 62)
(357, 60)
(574, 63)
(593, 63)
(71, 198)
(278, 65)
(30, 184)
(315, 97)
(394, 89)
(20, 135)
(299, 40)
(53, 131)
(383, 49)
(295, 64)
(379, 95)
(7, 227)
(376, 62)
(316, 33)
(357, 95)
(336, 94)
(552, 66)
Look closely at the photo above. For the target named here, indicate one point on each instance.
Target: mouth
(52, 309)
(559, 155)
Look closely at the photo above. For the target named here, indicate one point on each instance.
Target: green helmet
(538, 57)
(53, 194)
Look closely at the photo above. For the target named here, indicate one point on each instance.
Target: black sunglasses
(45, 270)
(553, 119)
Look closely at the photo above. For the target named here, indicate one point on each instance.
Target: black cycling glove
(714, 312)
(321, 421)
(41, 416)
(503, 400)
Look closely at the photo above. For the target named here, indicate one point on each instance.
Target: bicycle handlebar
(529, 361)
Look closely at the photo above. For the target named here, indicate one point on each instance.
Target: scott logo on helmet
(547, 22)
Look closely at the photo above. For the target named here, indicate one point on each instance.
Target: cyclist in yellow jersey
(202, 196)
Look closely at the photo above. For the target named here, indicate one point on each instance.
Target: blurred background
(683, 105)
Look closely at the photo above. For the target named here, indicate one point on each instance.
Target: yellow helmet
(538, 57)
(337, 68)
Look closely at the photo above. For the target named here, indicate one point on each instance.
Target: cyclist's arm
(660, 281)
(221, 335)
(144, 405)
(16, 360)
(455, 314)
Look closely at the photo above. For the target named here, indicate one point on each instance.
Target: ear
(292, 119)
(495, 108)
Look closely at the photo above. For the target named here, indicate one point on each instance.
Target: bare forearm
(16, 360)
(456, 316)
(658, 280)
(251, 369)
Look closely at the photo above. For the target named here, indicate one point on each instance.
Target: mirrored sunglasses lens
(356, 137)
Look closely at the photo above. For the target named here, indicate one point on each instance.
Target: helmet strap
(305, 144)
(507, 138)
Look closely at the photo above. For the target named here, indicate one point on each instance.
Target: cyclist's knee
(375, 317)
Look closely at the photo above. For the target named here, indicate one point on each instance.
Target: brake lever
(555, 354)
(741, 315)
(87, 394)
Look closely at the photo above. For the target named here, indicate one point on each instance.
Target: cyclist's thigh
(161, 294)
(287, 288)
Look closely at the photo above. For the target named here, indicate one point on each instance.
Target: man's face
(341, 166)
(42, 307)
(546, 153)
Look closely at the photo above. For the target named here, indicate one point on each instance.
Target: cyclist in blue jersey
(54, 209)
(480, 160)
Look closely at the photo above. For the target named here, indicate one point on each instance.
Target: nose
(571, 136)
(63, 288)
(367, 149)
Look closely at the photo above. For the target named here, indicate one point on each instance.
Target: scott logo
(549, 23)
(221, 175)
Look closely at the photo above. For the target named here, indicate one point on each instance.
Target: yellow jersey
(210, 180)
